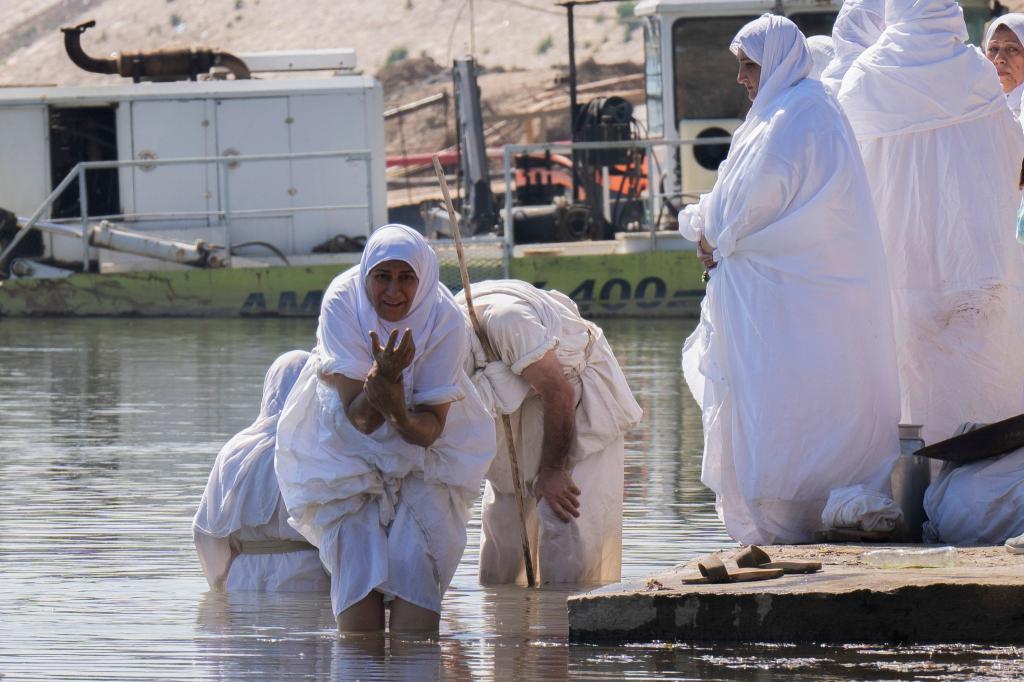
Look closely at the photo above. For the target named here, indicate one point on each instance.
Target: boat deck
(979, 600)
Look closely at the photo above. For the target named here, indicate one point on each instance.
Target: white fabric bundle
(860, 508)
(241, 502)
(943, 160)
(1014, 22)
(981, 503)
(857, 27)
(823, 51)
(377, 494)
(793, 360)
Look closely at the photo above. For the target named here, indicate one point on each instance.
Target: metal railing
(79, 171)
(507, 243)
(652, 199)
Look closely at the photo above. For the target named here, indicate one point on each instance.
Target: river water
(107, 432)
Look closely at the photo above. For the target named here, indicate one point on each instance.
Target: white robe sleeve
(758, 207)
(691, 220)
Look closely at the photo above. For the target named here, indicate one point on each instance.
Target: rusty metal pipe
(162, 65)
(73, 46)
(233, 64)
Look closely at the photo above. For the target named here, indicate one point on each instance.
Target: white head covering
(779, 47)
(398, 242)
(1014, 22)
(921, 55)
(858, 26)
(822, 52)
(347, 317)
(242, 489)
(745, 197)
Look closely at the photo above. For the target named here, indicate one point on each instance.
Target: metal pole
(572, 95)
(472, 31)
(27, 227)
(83, 207)
(653, 196)
(606, 195)
(510, 239)
(369, 194)
(227, 193)
(506, 423)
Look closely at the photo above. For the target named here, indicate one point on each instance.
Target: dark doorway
(84, 134)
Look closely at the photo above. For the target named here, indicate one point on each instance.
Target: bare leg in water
(406, 617)
(367, 615)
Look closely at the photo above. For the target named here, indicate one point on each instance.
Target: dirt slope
(513, 34)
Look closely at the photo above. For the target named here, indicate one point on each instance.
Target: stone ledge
(981, 600)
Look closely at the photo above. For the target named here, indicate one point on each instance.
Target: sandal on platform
(713, 571)
(755, 557)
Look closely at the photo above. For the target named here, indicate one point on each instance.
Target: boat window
(84, 134)
(652, 78)
(814, 23)
(705, 69)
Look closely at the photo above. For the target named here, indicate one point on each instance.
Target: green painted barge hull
(644, 284)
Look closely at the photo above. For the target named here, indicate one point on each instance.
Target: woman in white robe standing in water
(382, 448)
(943, 153)
(793, 361)
(241, 529)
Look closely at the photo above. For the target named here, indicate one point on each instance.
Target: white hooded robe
(943, 153)
(793, 361)
(387, 515)
(241, 532)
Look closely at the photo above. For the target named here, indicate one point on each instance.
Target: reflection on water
(107, 432)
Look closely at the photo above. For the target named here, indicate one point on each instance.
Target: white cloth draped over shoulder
(1015, 22)
(857, 27)
(944, 159)
(241, 503)
(523, 324)
(793, 361)
(376, 497)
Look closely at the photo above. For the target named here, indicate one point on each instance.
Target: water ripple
(109, 428)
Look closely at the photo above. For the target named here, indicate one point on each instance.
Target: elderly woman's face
(1007, 54)
(391, 286)
(749, 75)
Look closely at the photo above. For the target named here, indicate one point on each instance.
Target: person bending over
(569, 405)
(241, 528)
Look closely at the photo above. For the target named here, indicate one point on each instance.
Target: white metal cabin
(690, 74)
(293, 204)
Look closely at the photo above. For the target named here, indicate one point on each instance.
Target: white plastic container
(933, 557)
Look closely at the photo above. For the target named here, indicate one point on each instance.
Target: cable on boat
(268, 245)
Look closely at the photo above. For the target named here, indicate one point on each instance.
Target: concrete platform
(980, 600)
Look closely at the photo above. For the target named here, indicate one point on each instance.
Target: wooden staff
(491, 357)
